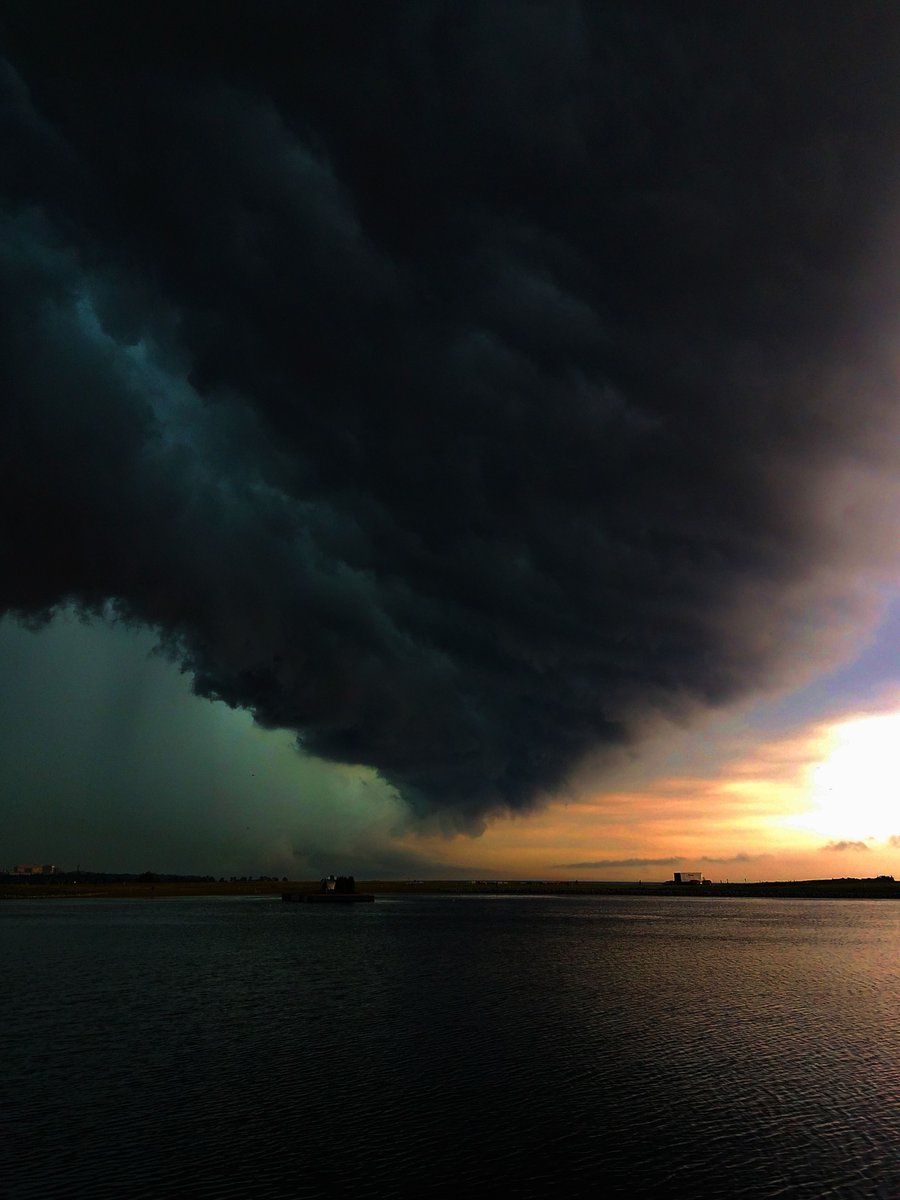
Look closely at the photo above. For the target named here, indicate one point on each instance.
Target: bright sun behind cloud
(855, 789)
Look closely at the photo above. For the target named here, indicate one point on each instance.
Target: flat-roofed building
(688, 877)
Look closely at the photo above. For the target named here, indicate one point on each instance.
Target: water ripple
(739, 1049)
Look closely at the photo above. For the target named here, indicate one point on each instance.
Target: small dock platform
(328, 897)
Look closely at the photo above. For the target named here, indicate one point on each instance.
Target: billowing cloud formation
(455, 385)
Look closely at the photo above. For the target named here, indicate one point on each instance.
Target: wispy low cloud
(734, 858)
(894, 840)
(853, 845)
(599, 863)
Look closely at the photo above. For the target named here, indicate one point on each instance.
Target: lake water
(439, 1046)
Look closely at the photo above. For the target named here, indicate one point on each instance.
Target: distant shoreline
(809, 889)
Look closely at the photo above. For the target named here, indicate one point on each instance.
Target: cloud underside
(458, 390)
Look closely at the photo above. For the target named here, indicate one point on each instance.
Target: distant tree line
(122, 877)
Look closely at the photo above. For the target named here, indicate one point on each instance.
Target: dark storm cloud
(455, 385)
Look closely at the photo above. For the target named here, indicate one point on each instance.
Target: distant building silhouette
(688, 877)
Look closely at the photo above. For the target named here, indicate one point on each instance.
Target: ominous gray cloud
(454, 385)
(841, 846)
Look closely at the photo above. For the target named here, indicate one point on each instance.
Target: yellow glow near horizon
(818, 801)
(855, 789)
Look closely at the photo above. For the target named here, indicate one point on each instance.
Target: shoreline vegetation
(807, 889)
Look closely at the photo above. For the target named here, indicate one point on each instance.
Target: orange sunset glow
(819, 803)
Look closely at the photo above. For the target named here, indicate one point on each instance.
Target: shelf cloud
(459, 387)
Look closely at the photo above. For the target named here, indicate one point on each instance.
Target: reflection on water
(232, 1047)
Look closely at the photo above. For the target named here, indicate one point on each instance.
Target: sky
(450, 439)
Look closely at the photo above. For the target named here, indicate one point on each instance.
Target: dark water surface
(602, 1046)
